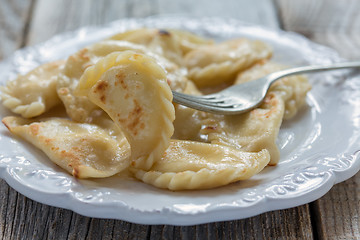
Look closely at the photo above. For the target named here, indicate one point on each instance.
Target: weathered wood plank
(337, 214)
(336, 24)
(271, 225)
(32, 220)
(14, 15)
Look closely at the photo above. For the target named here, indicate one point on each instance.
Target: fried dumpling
(132, 89)
(84, 150)
(293, 89)
(250, 132)
(189, 41)
(172, 44)
(79, 108)
(211, 65)
(195, 165)
(187, 124)
(34, 93)
(161, 42)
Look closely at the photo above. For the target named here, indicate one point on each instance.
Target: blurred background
(330, 22)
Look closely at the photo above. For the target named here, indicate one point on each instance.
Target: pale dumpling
(250, 132)
(34, 93)
(195, 165)
(172, 44)
(211, 65)
(293, 89)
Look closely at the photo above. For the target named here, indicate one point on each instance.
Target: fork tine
(209, 96)
(227, 109)
(202, 99)
(196, 102)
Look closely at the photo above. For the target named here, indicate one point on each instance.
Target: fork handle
(309, 69)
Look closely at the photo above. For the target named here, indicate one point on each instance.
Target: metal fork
(246, 96)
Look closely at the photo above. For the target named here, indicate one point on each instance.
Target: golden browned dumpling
(79, 108)
(132, 89)
(84, 150)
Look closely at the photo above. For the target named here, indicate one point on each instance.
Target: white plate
(319, 148)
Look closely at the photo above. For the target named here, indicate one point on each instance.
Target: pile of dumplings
(121, 119)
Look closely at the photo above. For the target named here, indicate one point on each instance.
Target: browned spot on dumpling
(54, 149)
(168, 82)
(137, 109)
(34, 129)
(101, 86)
(6, 125)
(76, 172)
(120, 80)
(133, 121)
(271, 101)
(135, 117)
(48, 141)
(69, 155)
(73, 157)
(100, 89)
(163, 32)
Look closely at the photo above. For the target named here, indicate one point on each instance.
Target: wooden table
(329, 22)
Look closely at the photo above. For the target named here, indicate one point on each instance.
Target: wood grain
(337, 214)
(32, 220)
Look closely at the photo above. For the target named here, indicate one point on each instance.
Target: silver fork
(246, 96)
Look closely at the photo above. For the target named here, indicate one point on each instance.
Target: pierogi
(118, 97)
